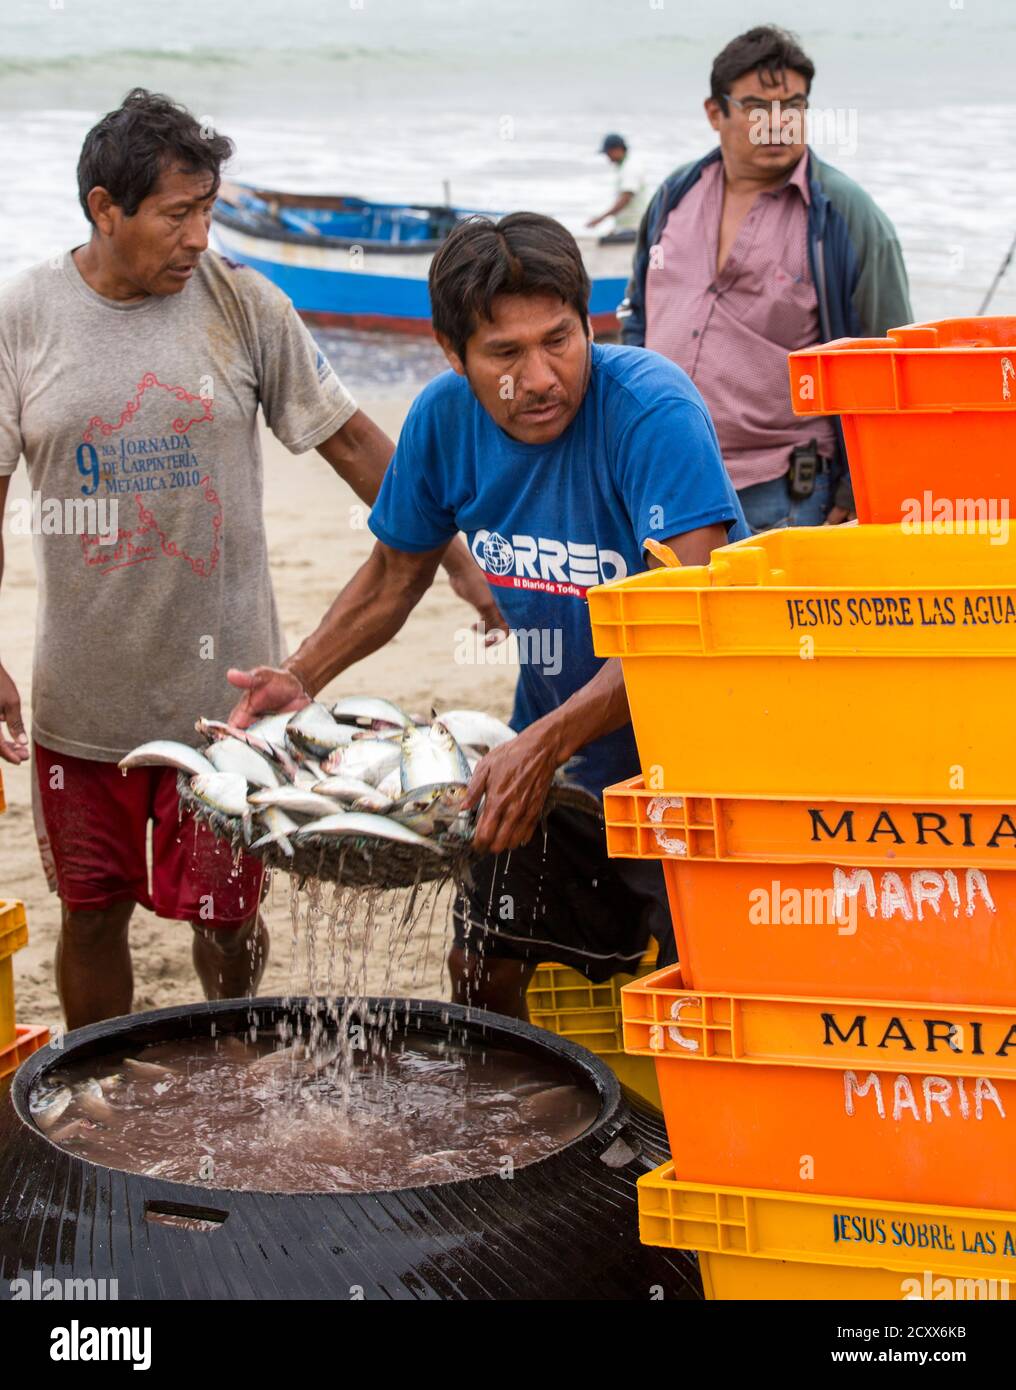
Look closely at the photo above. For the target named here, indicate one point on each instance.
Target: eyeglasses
(752, 106)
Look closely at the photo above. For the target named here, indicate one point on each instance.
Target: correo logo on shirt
(544, 563)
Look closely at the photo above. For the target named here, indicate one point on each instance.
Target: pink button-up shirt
(732, 331)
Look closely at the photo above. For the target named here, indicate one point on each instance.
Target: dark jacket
(855, 258)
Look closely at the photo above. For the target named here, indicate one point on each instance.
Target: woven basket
(366, 861)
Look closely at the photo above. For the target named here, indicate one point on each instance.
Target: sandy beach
(317, 537)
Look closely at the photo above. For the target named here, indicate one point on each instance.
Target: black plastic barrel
(564, 1227)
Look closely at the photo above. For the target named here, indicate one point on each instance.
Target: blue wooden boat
(346, 261)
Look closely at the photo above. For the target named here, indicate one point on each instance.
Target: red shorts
(96, 822)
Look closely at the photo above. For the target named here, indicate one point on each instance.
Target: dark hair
(767, 50)
(524, 253)
(131, 146)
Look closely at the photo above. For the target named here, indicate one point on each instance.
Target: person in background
(131, 372)
(630, 197)
(751, 252)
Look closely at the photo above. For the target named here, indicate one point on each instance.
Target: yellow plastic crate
(13, 935)
(564, 1002)
(762, 1244)
(909, 634)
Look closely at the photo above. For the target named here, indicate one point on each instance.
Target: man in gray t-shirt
(131, 372)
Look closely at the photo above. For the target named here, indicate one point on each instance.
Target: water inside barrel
(313, 1116)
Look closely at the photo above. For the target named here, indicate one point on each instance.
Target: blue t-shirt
(545, 522)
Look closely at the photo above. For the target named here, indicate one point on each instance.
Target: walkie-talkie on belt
(804, 466)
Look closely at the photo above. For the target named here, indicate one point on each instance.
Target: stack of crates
(833, 799)
(16, 1043)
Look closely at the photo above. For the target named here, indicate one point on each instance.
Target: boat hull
(355, 288)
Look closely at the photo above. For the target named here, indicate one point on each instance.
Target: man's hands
(270, 690)
(13, 748)
(514, 779)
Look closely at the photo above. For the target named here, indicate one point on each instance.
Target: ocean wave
(179, 57)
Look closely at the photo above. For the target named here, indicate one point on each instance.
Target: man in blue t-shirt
(558, 458)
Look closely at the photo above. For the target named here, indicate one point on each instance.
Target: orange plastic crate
(27, 1039)
(904, 1101)
(928, 412)
(887, 900)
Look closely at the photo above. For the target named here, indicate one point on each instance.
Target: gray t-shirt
(153, 404)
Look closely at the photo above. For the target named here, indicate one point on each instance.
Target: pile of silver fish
(360, 768)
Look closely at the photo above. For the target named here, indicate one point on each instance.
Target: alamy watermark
(773, 905)
(35, 1286)
(832, 126)
(945, 1287)
(64, 516)
(79, 1342)
(524, 646)
(941, 514)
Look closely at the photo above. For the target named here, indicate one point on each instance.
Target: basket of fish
(358, 793)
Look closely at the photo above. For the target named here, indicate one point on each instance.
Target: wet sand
(316, 538)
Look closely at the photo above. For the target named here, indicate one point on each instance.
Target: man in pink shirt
(754, 251)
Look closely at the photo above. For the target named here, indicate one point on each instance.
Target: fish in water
(281, 1114)
(313, 732)
(369, 711)
(299, 1059)
(370, 759)
(230, 755)
(362, 823)
(148, 1071)
(46, 1109)
(73, 1130)
(225, 792)
(90, 1100)
(430, 810)
(294, 800)
(164, 752)
(430, 756)
(479, 730)
(555, 1103)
